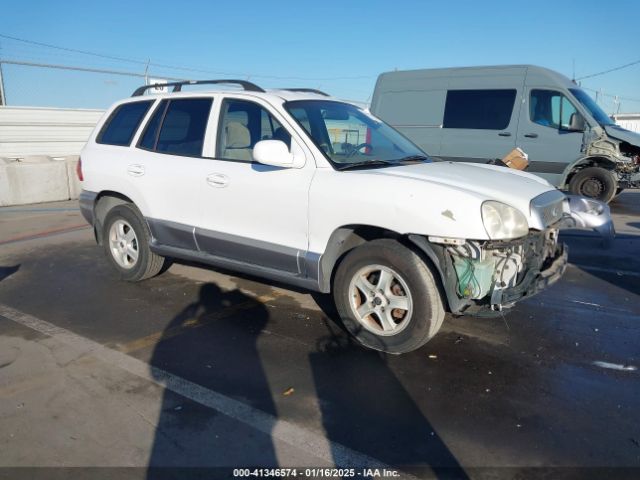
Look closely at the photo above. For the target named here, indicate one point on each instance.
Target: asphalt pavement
(202, 368)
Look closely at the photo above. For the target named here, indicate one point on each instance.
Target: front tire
(387, 297)
(126, 240)
(594, 182)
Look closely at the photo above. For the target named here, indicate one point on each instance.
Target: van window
(550, 109)
(242, 125)
(184, 127)
(123, 123)
(478, 109)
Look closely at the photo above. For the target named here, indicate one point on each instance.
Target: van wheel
(387, 297)
(594, 182)
(126, 239)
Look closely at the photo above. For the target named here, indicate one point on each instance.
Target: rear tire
(126, 239)
(594, 182)
(387, 297)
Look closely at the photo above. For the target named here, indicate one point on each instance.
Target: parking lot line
(46, 233)
(299, 437)
(191, 323)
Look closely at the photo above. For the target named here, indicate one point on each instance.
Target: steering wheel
(358, 147)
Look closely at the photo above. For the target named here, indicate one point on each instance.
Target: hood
(491, 182)
(623, 134)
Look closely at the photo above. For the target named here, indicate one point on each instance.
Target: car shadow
(211, 342)
(8, 271)
(365, 407)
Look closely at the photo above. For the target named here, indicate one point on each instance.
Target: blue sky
(338, 46)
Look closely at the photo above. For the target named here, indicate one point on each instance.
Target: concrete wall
(36, 179)
(39, 150)
(28, 131)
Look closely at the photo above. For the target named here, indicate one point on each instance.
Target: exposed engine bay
(625, 156)
(489, 271)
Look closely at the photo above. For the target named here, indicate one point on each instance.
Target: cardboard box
(517, 159)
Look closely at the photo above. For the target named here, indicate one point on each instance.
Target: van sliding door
(479, 125)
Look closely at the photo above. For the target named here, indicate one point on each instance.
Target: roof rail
(177, 86)
(306, 90)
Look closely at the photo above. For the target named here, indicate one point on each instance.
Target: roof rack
(306, 90)
(177, 86)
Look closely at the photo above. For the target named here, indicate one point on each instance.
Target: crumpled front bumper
(593, 214)
(534, 280)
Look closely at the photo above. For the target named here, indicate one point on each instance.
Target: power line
(629, 99)
(80, 69)
(610, 70)
(74, 50)
(180, 68)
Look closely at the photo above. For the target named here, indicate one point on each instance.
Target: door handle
(135, 170)
(505, 134)
(217, 180)
(531, 135)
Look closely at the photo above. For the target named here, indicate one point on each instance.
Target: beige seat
(237, 142)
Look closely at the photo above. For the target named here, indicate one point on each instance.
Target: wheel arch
(347, 237)
(104, 202)
(575, 167)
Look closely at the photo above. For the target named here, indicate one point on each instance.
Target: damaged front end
(490, 275)
(628, 167)
(618, 145)
(481, 277)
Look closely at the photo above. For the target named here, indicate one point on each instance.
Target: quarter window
(551, 109)
(183, 127)
(479, 109)
(121, 126)
(242, 125)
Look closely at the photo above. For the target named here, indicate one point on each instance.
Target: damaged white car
(296, 187)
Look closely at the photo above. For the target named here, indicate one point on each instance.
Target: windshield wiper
(366, 163)
(384, 163)
(413, 158)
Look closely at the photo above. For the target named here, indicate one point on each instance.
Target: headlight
(502, 221)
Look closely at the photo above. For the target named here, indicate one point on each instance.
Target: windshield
(349, 136)
(594, 109)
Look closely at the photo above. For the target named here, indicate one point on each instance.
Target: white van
(477, 114)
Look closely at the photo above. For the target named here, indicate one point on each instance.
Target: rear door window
(122, 124)
(479, 109)
(183, 127)
(150, 135)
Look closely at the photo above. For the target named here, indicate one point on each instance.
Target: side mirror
(576, 123)
(274, 153)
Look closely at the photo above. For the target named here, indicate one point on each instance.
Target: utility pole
(3, 100)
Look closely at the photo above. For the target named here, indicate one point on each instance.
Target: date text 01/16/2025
(316, 472)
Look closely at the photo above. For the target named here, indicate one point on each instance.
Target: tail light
(79, 170)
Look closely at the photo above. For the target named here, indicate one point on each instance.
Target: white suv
(297, 187)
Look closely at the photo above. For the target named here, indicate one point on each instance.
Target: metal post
(3, 100)
(146, 72)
